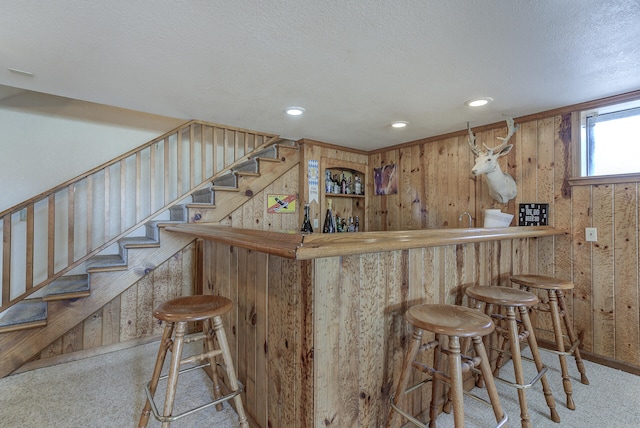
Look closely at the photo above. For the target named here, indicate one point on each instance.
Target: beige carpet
(106, 391)
(103, 391)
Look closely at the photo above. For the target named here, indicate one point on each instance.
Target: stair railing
(54, 232)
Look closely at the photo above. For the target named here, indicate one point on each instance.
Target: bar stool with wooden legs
(452, 323)
(177, 313)
(511, 298)
(558, 310)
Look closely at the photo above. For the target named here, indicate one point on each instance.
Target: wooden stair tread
(68, 287)
(106, 263)
(23, 315)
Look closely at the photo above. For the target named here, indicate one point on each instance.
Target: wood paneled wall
(128, 317)
(436, 187)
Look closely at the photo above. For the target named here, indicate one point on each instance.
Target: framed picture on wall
(385, 180)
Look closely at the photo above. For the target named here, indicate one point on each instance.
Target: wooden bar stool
(556, 307)
(511, 298)
(176, 313)
(452, 322)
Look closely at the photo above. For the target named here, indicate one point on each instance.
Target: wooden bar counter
(317, 330)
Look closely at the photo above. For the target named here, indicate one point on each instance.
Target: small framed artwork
(281, 204)
(533, 214)
(385, 180)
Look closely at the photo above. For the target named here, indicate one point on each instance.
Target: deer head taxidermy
(502, 187)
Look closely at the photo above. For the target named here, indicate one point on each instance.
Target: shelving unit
(344, 205)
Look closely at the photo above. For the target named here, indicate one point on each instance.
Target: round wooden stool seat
(192, 308)
(503, 296)
(542, 282)
(450, 320)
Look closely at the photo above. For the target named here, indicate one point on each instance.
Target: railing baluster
(192, 160)
(138, 186)
(107, 203)
(89, 213)
(71, 196)
(29, 243)
(123, 195)
(152, 177)
(51, 234)
(6, 259)
(166, 171)
(203, 153)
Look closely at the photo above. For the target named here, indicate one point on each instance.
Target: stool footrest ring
(172, 418)
(420, 424)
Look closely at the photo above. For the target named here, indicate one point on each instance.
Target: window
(611, 141)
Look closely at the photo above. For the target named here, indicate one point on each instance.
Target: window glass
(611, 142)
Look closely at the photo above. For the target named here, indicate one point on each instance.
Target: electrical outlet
(591, 234)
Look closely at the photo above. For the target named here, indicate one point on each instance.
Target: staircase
(53, 302)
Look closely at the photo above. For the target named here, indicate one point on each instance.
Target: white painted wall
(46, 140)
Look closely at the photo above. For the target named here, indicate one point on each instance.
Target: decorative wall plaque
(533, 215)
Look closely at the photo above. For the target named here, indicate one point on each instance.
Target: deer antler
(511, 130)
(472, 142)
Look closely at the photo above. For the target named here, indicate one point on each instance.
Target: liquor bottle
(306, 224)
(329, 220)
(328, 182)
(357, 225)
(338, 224)
(358, 186)
(343, 184)
(352, 226)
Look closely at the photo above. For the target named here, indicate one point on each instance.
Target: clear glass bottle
(357, 225)
(306, 223)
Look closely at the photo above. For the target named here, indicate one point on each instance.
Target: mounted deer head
(502, 187)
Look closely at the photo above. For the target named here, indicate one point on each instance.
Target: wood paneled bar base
(317, 329)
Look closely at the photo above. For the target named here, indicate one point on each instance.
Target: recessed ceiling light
(479, 102)
(399, 124)
(294, 111)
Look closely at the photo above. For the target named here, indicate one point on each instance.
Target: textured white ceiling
(355, 66)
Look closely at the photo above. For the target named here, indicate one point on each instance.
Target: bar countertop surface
(299, 246)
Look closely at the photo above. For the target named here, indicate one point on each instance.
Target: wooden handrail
(92, 211)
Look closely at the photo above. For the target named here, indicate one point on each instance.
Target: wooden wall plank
(625, 266)
(582, 268)
(603, 291)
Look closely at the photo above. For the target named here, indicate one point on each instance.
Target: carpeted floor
(106, 391)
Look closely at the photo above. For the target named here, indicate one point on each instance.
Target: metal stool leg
(165, 344)
(233, 381)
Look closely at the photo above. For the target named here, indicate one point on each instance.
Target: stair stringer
(18, 347)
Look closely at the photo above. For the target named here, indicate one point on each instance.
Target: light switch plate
(591, 234)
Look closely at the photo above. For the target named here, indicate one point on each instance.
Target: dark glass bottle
(329, 220)
(306, 223)
(357, 225)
